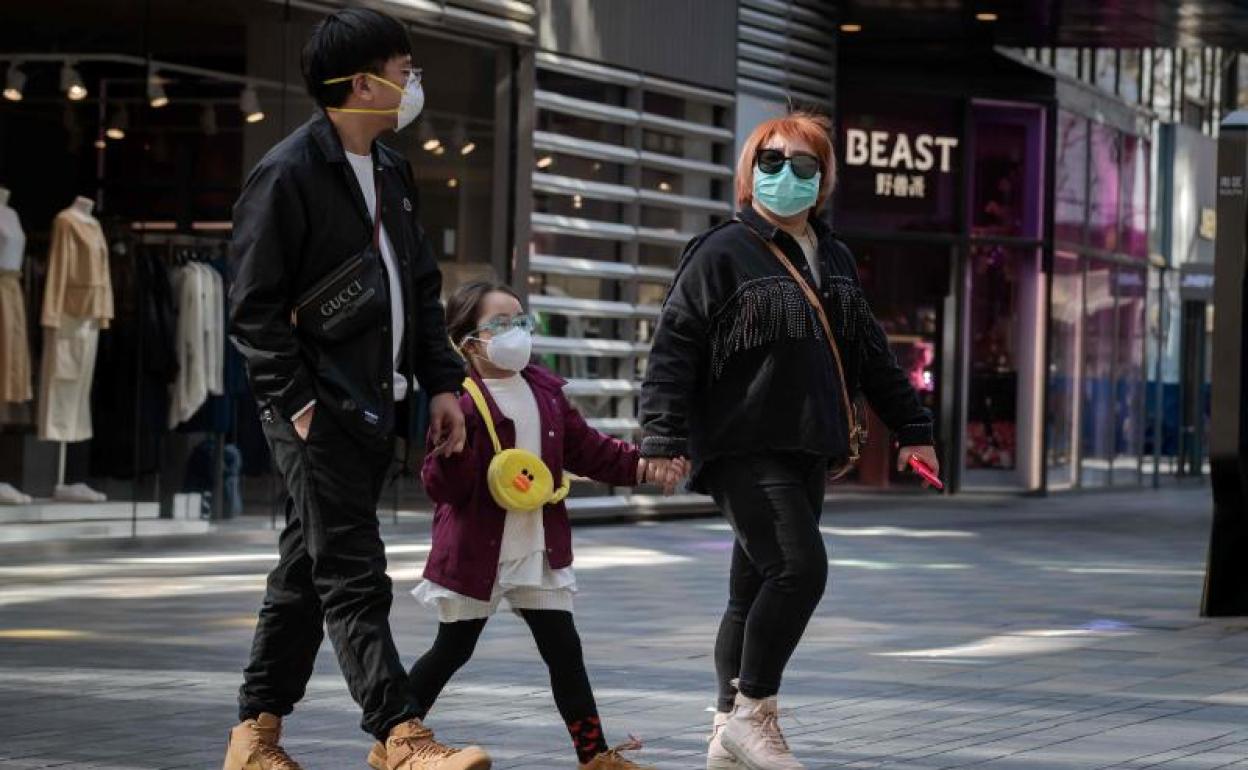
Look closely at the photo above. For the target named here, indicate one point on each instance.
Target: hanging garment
(12, 241)
(68, 369)
(135, 367)
(15, 386)
(190, 389)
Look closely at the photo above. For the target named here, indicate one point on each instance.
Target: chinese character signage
(900, 163)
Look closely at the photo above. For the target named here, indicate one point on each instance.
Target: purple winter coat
(468, 524)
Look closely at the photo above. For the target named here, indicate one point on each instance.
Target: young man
(336, 309)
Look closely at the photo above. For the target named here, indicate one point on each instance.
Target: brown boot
(255, 745)
(411, 747)
(612, 759)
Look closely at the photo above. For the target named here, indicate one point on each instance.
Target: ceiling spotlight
(577, 201)
(208, 120)
(546, 161)
(986, 16)
(14, 83)
(249, 103)
(71, 82)
(439, 150)
(100, 144)
(156, 95)
(427, 140)
(851, 28)
(117, 126)
(465, 145)
(452, 183)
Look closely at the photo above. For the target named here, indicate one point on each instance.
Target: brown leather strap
(813, 299)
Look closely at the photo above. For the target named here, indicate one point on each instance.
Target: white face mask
(410, 103)
(510, 350)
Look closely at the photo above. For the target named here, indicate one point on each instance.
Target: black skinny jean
(557, 642)
(779, 566)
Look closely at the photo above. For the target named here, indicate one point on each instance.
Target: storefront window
(901, 161)
(991, 409)
(1008, 173)
(1072, 177)
(1098, 407)
(1135, 196)
(1129, 74)
(911, 311)
(1065, 326)
(1103, 190)
(1106, 75)
(1131, 286)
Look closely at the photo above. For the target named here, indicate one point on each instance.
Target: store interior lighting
(14, 83)
(452, 183)
(249, 103)
(156, 95)
(118, 125)
(851, 28)
(986, 16)
(71, 82)
(545, 161)
(428, 141)
(465, 145)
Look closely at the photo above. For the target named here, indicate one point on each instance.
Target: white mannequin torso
(82, 208)
(12, 237)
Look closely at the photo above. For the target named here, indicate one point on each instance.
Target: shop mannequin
(14, 353)
(77, 303)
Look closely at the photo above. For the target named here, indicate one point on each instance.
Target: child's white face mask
(510, 350)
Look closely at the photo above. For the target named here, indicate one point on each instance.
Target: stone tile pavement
(1028, 634)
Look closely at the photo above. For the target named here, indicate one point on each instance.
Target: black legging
(779, 566)
(557, 642)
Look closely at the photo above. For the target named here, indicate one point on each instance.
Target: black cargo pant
(331, 573)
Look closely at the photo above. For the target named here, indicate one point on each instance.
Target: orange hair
(807, 127)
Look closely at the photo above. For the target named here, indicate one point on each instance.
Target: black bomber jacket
(300, 217)
(739, 363)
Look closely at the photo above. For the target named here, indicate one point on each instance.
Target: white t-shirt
(810, 249)
(362, 165)
(523, 533)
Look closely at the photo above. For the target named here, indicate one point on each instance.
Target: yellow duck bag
(518, 479)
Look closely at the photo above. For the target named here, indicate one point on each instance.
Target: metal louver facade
(627, 168)
(507, 19)
(786, 51)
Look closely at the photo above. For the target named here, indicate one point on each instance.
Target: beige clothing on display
(78, 284)
(15, 384)
(65, 389)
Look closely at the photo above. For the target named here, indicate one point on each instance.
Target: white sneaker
(10, 495)
(78, 493)
(717, 757)
(753, 736)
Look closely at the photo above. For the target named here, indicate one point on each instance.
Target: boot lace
(421, 745)
(271, 751)
(769, 726)
(618, 760)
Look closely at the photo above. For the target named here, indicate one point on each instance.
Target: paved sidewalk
(1038, 634)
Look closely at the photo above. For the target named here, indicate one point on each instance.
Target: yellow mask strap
(363, 110)
(479, 399)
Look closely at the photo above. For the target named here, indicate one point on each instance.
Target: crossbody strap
(814, 302)
(377, 210)
(478, 398)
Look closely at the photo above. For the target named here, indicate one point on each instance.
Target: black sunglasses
(805, 165)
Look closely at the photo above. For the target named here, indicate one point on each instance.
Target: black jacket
(740, 365)
(301, 215)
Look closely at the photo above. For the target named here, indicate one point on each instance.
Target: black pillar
(1226, 575)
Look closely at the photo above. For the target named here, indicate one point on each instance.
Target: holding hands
(666, 472)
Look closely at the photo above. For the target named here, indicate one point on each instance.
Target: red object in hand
(928, 475)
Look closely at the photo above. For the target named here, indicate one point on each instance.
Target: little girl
(483, 552)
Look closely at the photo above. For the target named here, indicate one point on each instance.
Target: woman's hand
(667, 472)
(926, 455)
(446, 425)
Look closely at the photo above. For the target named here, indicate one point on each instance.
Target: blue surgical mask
(784, 193)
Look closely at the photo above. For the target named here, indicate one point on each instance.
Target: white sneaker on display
(78, 493)
(752, 735)
(10, 495)
(717, 757)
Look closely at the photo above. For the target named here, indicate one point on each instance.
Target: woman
(742, 380)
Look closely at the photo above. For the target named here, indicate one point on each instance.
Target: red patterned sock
(587, 738)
